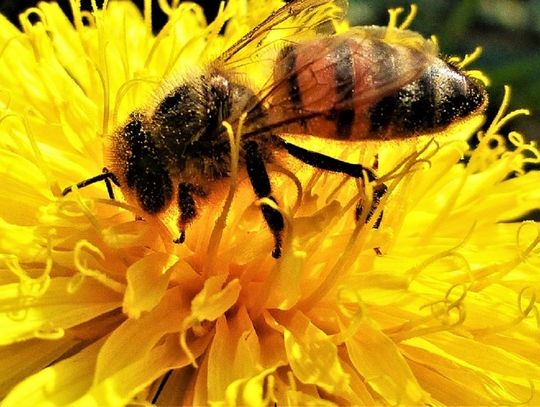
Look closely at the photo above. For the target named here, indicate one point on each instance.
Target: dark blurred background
(507, 30)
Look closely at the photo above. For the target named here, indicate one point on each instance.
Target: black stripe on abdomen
(419, 109)
(408, 112)
(288, 59)
(343, 113)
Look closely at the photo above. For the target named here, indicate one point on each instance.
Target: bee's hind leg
(261, 185)
(108, 177)
(327, 163)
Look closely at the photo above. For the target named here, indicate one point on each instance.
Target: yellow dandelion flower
(98, 307)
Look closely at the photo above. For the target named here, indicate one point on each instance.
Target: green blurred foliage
(507, 30)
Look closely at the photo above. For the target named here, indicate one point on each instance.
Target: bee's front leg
(108, 177)
(261, 185)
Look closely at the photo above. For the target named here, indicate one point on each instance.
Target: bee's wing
(298, 20)
(387, 72)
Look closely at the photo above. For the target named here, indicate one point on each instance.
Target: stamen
(221, 221)
(89, 18)
(500, 394)
(39, 160)
(297, 183)
(449, 253)
(462, 62)
(393, 26)
(168, 8)
(524, 310)
(49, 332)
(530, 306)
(216, 26)
(148, 16)
(523, 253)
(410, 161)
(500, 118)
(88, 212)
(410, 18)
(77, 14)
(354, 321)
(85, 271)
(96, 9)
(28, 286)
(441, 310)
(24, 18)
(125, 88)
(165, 7)
(393, 17)
(270, 398)
(185, 347)
(467, 59)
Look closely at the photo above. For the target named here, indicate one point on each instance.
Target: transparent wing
(296, 21)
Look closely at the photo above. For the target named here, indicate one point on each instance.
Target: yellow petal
(53, 310)
(379, 360)
(234, 355)
(213, 300)
(121, 387)
(147, 281)
(23, 359)
(57, 385)
(313, 357)
(135, 337)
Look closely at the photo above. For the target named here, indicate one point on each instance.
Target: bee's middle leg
(261, 185)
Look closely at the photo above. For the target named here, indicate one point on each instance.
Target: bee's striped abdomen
(439, 97)
(351, 88)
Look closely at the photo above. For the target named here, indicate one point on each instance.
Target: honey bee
(368, 83)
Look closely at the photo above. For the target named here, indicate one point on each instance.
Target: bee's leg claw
(181, 238)
(378, 193)
(111, 179)
(274, 219)
(187, 206)
(360, 209)
(261, 185)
